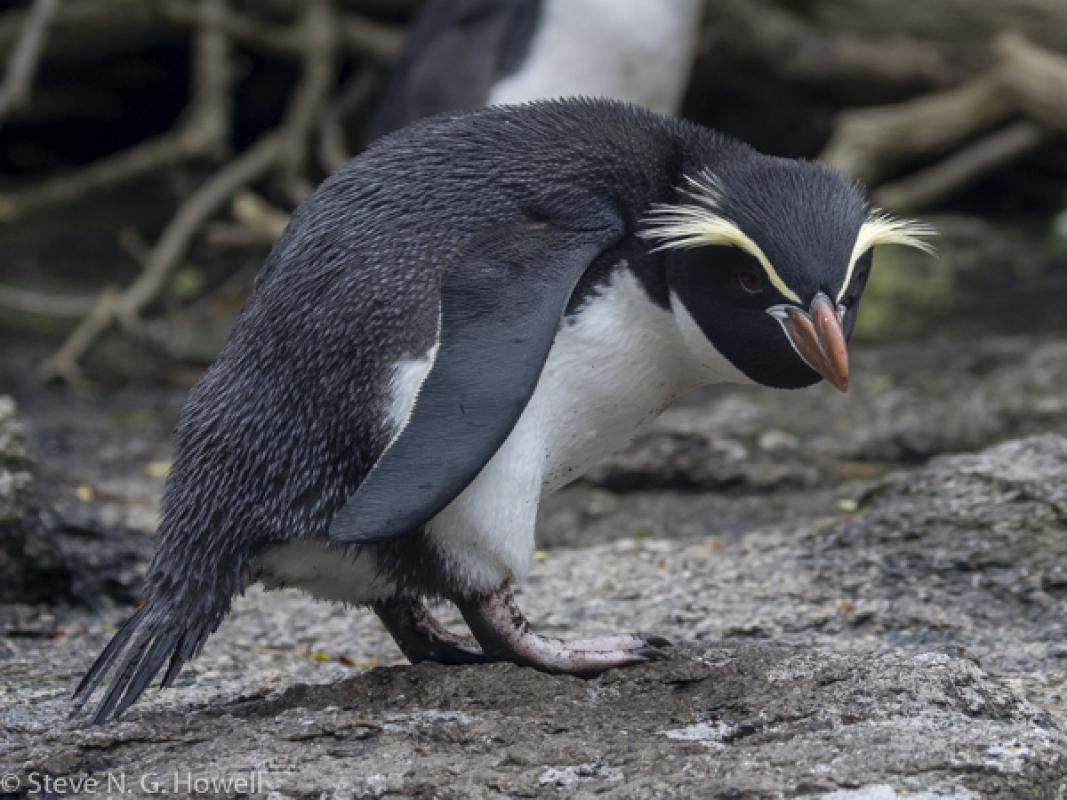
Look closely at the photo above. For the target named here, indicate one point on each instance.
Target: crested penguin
(461, 320)
(464, 54)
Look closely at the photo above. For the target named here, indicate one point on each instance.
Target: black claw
(656, 641)
(652, 653)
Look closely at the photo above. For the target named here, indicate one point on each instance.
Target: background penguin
(464, 54)
(467, 317)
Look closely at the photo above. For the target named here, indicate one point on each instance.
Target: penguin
(465, 54)
(460, 321)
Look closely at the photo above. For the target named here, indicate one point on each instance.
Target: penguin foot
(501, 629)
(421, 637)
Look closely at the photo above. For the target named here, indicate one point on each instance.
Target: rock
(734, 459)
(910, 647)
(738, 719)
(31, 564)
(16, 482)
(904, 407)
(46, 559)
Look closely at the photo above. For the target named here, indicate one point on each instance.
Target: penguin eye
(859, 278)
(751, 281)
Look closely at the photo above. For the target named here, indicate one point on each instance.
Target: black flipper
(501, 305)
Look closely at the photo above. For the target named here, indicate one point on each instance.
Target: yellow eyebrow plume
(879, 229)
(680, 226)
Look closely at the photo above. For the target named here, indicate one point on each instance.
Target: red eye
(751, 281)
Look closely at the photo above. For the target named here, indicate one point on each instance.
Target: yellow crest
(681, 226)
(879, 229)
(699, 224)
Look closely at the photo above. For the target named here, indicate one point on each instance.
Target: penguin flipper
(500, 309)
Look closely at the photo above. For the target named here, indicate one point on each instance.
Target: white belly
(612, 369)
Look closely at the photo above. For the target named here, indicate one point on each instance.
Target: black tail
(159, 630)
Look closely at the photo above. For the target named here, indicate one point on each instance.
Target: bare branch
(318, 71)
(212, 103)
(139, 160)
(205, 201)
(84, 29)
(358, 35)
(24, 57)
(1028, 81)
(272, 39)
(204, 132)
(64, 363)
(963, 167)
(45, 304)
(333, 152)
(867, 142)
(802, 50)
(374, 40)
(256, 214)
(1036, 79)
(126, 307)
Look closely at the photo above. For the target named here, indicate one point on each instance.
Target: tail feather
(155, 633)
(99, 668)
(126, 672)
(147, 667)
(176, 662)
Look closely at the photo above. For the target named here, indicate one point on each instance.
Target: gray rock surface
(732, 459)
(15, 479)
(31, 564)
(910, 647)
(904, 407)
(47, 557)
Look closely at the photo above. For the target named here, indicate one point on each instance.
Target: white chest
(633, 50)
(612, 369)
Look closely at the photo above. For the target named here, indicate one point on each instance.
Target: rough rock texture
(741, 719)
(31, 564)
(896, 413)
(912, 647)
(48, 558)
(732, 459)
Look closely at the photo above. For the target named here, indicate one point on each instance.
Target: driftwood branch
(45, 304)
(259, 217)
(799, 49)
(869, 142)
(973, 127)
(359, 36)
(139, 160)
(126, 307)
(317, 76)
(333, 151)
(963, 167)
(1036, 79)
(283, 151)
(25, 55)
(245, 30)
(204, 131)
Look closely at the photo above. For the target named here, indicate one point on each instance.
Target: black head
(767, 259)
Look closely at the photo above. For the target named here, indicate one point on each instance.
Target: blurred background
(152, 150)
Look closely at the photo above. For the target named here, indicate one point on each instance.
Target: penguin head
(767, 260)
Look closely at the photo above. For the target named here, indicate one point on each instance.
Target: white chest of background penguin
(469, 314)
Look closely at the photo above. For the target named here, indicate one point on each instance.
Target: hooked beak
(818, 336)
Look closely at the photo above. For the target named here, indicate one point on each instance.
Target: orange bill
(818, 336)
